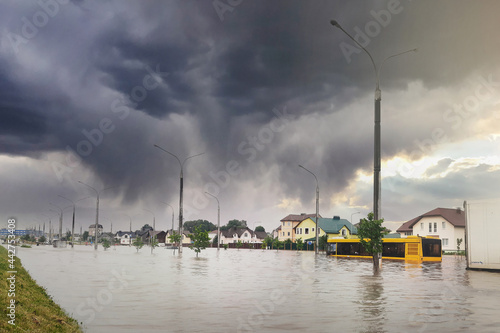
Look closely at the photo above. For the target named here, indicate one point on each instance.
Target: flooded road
(120, 290)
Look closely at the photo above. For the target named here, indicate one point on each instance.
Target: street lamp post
(378, 97)
(73, 222)
(169, 205)
(181, 227)
(354, 214)
(96, 231)
(60, 220)
(316, 249)
(218, 220)
(154, 227)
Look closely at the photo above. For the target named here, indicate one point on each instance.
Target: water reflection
(372, 303)
(262, 291)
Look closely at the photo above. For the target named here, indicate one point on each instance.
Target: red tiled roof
(453, 215)
(297, 217)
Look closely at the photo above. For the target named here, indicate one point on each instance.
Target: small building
(92, 229)
(125, 237)
(333, 227)
(445, 223)
(289, 223)
(245, 235)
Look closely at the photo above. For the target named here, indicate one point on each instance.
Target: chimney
(336, 217)
(459, 210)
(302, 213)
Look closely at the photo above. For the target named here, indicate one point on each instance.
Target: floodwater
(120, 290)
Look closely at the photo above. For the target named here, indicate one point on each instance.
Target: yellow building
(334, 228)
(289, 223)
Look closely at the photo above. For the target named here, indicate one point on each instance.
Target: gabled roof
(239, 231)
(260, 234)
(453, 215)
(334, 225)
(297, 217)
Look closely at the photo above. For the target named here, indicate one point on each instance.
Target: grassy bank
(35, 311)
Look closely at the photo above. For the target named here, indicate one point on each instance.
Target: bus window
(431, 247)
(396, 250)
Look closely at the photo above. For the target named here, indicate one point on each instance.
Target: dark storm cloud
(218, 83)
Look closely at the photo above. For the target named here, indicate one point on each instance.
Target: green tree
(239, 244)
(154, 243)
(138, 243)
(288, 242)
(269, 241)
(190, 226)
(200, 239)
(42, 239)
(300, 244)
(175, 239)
(85, 235)
(105, 244)
(68, 235)
(277, 243)
(370, 233)
(234, 224)
(323, 241)
(264, 245)
(459, 242)
(260, 228)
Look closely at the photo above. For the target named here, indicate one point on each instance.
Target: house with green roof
(333, 227)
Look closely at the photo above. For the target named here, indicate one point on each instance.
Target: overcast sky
(88, 87)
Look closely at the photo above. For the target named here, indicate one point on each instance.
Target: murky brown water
(120, 290)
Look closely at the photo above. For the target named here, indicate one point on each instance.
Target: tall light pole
(181, 227)
(316, 248)
(73, 222)
(169, 205)
(218, 220)
(60, 220)
(378, 97)
(354, 214)
(96, 238)
(154, 227)
(130, 236)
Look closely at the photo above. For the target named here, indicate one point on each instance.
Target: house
(92, 229)
(289, 223)
(276, 232)
(185, 236)
(245, 235)
(160, 235)
(333, 227)
(125, 237)
(445, 223)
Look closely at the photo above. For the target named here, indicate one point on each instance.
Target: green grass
(35, 309)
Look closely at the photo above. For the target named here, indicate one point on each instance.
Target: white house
(245, 235)
(446, 223)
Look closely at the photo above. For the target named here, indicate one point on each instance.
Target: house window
(299, 231)
(289, 233)
(283, 233)
(422, 226)
(245, 235)
(443, 225)
(445, 241)
(306, 231)
(430, 227)
(312, 229)
(343, 232)
(435, 227)
(289, 223)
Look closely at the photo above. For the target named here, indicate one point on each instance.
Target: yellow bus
(410, 248)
